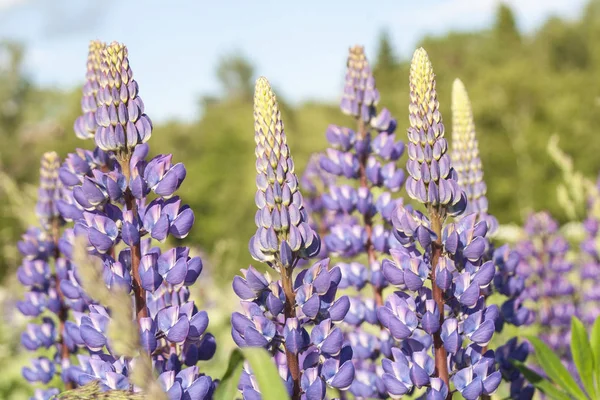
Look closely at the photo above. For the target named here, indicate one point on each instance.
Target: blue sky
(174, 46)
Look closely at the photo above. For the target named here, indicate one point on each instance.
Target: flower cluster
(85, 125)
(278, 314)
(465, 156)
(507, 281)
(110, 303)
(552, 270)
(314, 182)
(356, 178)
(548, 287)
(440, 319)
(465, 159)
(119, 203)
(588, 308)
(43, 272)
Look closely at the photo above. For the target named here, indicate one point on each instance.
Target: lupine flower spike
(508, 280)
(358, 175)
(43, 272)
(85, 125)
(277, 313)
(443, 326)
(121, 121)
(589, 309)
(545, 263)
(106, 196)
(465, 156)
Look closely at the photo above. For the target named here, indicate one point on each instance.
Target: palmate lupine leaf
(554, 368)
(270, 384)
(540, 383)
(582, 351)
(227, 388)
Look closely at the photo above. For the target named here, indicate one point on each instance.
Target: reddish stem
(290, 312)
(441, 357)
(63, 312)
(368, 219)
(136, 252)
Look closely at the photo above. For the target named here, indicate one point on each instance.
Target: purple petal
(182, 224)
(179, 331)
(339, 309)
(200, 388)
(92, 337)
(198, 325)
(344, 377)
(311, 307)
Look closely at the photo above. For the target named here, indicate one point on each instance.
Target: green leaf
(595, 344)
(581, 350)
(270, 383)
(540, 383)
(554, 368)
(227, 388)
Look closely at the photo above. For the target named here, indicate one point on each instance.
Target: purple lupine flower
(85, 125)
(43, 272)
(276, 313)
(49, 191)
(283, 233)
(544, 263)
(510, 282)
(355, 215)
(505, 355)
(120, 118)
(551, 271)
(45, 394)
(314, 182)
(432, 179)
(588, 309)
(507, 279)
(440, 320)
(109, 207)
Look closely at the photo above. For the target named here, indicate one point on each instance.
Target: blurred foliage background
(524, 89)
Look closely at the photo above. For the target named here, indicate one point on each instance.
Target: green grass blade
(270, 383)
(227, 388)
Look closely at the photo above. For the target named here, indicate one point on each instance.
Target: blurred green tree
(235, 74)
(524, 88)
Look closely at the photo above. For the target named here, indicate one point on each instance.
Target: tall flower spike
(358, 175)
(549, 287)
(278, 314)
(432, 180)
(360, 95)
(43, 272)
(122, 123)
(85, 125)
(109, 203)
(447, 317)
(283, 233)
(465, 155)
